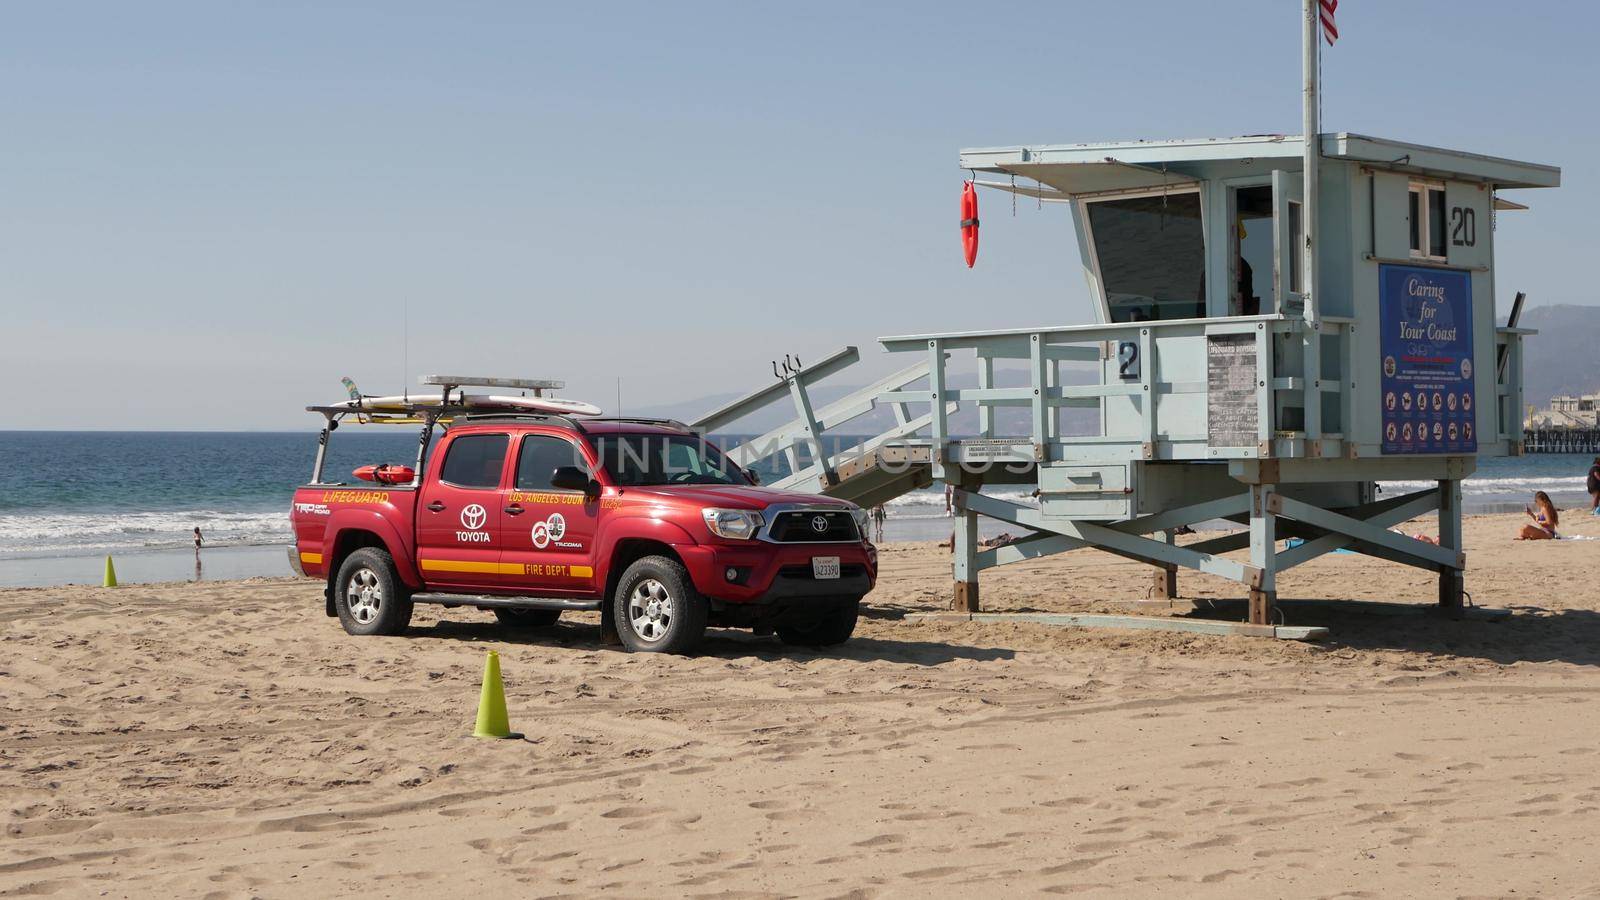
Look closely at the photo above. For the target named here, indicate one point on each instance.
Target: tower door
(1288, 241)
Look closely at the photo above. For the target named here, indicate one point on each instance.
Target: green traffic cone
(111, 573)
(492, 722)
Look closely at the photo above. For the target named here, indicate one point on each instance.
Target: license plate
(824, 567)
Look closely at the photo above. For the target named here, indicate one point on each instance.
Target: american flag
(1329, 30)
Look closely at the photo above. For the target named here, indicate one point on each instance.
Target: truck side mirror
(572, 478)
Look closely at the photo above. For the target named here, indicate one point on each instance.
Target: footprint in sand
(1065, 802)
(1299, 782)
(703, 858)
(935, 872)
(1076, 888)
(1221, 840)
(1077, 865)
(631, 812)
(927, 815)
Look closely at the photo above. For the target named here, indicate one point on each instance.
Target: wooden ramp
(874, 471)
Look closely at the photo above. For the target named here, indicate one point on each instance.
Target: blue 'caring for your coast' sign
(1428, 402)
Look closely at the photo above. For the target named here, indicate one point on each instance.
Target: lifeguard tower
(1281, 323)
(1215, 385)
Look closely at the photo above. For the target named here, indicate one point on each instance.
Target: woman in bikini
(1543, 514)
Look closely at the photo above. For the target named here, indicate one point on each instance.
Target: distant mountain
(1564, 357)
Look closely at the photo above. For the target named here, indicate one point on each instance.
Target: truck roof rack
(576, 423)
(643, 420)
(482, 418)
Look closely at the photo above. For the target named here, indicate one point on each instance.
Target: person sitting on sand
(1543, 514)
(1593, 485)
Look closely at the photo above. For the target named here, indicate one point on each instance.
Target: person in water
(1593, 485)
(1543, 514)
(198, 539)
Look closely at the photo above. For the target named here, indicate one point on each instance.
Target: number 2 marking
(1128, 359)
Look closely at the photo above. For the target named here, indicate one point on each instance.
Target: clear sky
(211, 211)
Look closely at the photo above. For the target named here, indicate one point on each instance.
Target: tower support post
(1450, 577)
(1263, 554)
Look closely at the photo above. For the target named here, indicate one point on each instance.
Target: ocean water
(88, 493)
(82, 495)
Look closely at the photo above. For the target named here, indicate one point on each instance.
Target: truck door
(458, 520)
(547, 534)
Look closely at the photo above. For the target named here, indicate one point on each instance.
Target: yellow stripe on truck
(466, 565)
(495, 568)
(314, 559)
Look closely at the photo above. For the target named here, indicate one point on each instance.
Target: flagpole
(1313, 150)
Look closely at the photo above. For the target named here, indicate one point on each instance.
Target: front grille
(799, 527)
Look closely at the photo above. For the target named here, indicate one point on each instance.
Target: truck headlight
(739, 524)
(863, 521)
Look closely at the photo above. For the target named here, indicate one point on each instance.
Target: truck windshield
(646, 459)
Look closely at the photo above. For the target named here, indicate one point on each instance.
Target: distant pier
(1559, 439)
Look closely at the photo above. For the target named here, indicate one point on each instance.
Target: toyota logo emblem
(819, 524)
(472, 517)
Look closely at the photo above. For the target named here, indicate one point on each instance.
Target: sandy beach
(226, 739)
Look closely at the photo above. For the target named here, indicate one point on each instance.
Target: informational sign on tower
(1231, 414)
(1428, 401)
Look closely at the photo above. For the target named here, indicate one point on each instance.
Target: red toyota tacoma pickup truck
(531, 515)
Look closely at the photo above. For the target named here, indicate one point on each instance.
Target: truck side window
(541, 455)
(475, 460)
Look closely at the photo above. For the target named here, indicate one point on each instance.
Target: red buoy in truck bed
(969, 222)
(386, 474)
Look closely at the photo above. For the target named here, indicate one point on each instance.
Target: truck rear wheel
(657, 608)
(369, 595)
(833, 626)
(527, 618)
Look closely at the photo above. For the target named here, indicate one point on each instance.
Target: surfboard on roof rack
(399, 403)
(441, 409)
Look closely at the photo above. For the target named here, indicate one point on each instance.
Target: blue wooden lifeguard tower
(1279, 326)
(1212, 394)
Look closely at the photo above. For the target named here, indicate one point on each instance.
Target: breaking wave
(1502, 487)
(67, 533)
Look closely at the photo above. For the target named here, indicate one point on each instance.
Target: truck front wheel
(369, 595)
(833, 626)
(657, 608)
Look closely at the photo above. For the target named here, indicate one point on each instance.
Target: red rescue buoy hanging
(969, 221)
(388, 473)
